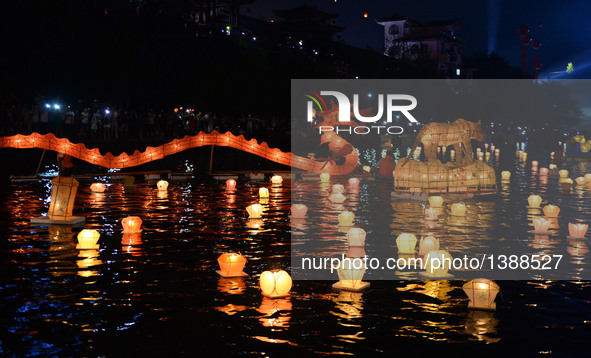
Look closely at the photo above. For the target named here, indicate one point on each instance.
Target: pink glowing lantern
(98, 187)
(541, 225)
(298, 211)
(431, 214)
(551, 211)
(428, 244)
(353, 182)
(543, 172)
(356, 237)
(132, 224)
(577, 231)
(230, 184)
(534, 164)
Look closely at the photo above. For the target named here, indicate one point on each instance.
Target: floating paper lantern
(353, 182)
(543, 172)
(577, 231)
(132, 224)
(162, 185)
(497, 151)
(255, 211)
(337, 198)
(263, 193)
(346, 218)
(436, 201)
(534, 164)
(437, 265)
(552, 166)
(563, 174)
(275, 283)
(338, 189)
(534, 201)
(458, 209)
(276, 179)
(351, 273)
(431, 214)
(298, 211)
(63, 195)
(452, 154)
(88, 239)
(406, 243)
(428, 244)
(587, 178)
(541, 225)
(580, 180)
(231, 265)
(366, 168)
(356, 236)
(324, 177)
(98, 187)
(231, 184)
(524, 156)
(505, 175)
(482, 293)
(551, 211)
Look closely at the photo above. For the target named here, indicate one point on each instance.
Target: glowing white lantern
(88, 239)
(431, 214)
(98, 187)
(276, 179)
(428, 244)
(337, 198)
(356, 236)
(324, 177)
(353, 182)
(231, 265)
(351, 273)
(298, 211)
(338, 189)
(162, 185)
(255, 211)
(230, 184)
(346, 218)
(406, 243)
(577, 231)
(458, 209)
(263, 193)
(437, 265)
(436, 201)
(551, 211)
(534, 201)
(541, 225)
(482, 293)
(275, 283)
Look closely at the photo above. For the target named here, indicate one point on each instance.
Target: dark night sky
(486, 25)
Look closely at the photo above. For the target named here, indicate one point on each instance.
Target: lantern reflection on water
(431, 214)
(482, 293)
(98, 187)
(275, 283)
(276, 312)
(337, 198)
(231, 265)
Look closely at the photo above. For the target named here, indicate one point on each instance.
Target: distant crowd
(88, 122)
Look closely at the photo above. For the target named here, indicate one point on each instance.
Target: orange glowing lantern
(406, 243)
(534, 164)
(324, 177)
(275, 283)
(437, 265)
(436, 201)
(505, 175)
(263, 193)
(346, 218)
(587, 178)
(458, 209)
(132, 224)
(162, 185)
(231, 265)
(482, 293)
(298, 211)
(428, 244)
(88, 239)
(351, 273)
(338, 189)
(431, 214)
(230, 184)
(551, 211)
(353, 182)
(543, 172)
(63, 194)
(255, 211)
(541, 225)
(534, 201)
(356, 236)
(276, 179)
(577, 231)
(563, 174)
(98, 187)
(580, 181)
(337, 198)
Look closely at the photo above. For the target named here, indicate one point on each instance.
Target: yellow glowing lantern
(298, 211)
(162, 185)
(431, 214)
(541, 225)
(577, 231)
(505, 175)
(563, 174)
(255, 211)
(534, 201)
(543, 172)
(276, 179)
(436, 201)
(324, 177)
(580, 180)
(428, 244)
(263, 193)
(551, 211)
(351, 273)
(353, 182)
(338, 189)
(406, 243)
(437, 265)
(98, 187)
(63, 194)
(132, 224)
(366, 168)
(275, 283)
(346, 218)
(230, 184)
(88, 239)
(458, 209)
(231, 265)
(524, 157)
(356, 236)
(482, 293)
(337, 198)
(452, 154)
